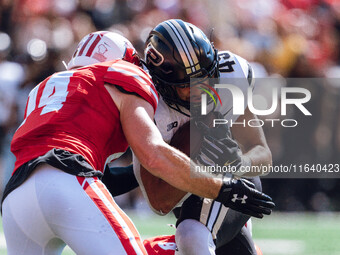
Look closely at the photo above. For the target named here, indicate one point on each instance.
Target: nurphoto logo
(239, 98)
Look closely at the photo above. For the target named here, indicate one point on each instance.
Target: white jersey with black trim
(233, 70)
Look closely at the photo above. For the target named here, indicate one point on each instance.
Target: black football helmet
(175, 52)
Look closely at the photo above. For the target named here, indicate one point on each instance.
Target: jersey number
(53, 95)
(228, 64)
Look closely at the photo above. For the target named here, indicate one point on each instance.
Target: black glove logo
(241, 195)
(243, 199)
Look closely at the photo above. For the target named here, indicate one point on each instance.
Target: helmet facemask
(168, 90)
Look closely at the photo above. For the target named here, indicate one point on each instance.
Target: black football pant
(225, 224)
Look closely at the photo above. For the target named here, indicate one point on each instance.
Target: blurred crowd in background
(287, 38)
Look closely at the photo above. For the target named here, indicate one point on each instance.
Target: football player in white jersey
(175, 52)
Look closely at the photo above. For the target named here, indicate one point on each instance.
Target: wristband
(224, 193)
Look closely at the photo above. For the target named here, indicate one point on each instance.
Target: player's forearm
(258, 160)
(155, 155)
(178, 170)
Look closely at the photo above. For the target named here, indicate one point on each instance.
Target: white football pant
(53, 208)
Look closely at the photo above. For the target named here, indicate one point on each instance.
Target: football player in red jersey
(75, 122)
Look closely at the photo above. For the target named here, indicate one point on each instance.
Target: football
(162, 196)
(188, 138)
(181, 139)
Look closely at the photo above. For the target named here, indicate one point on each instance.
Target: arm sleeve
(119, 180)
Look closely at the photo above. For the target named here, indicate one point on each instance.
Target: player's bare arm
(253, 144)
(154, 154)
(173, 166)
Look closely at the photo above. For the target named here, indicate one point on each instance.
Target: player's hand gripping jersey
(233, 70)
(73, 111)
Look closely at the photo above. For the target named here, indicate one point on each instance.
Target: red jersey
(73, 111)
(160, 245)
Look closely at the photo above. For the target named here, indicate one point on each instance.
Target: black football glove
(222, 152)
(219, 131)
(241, 195)
(218, 148)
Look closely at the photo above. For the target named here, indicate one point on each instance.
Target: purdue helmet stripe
(187, 43)
(184, 54)
(176, 27)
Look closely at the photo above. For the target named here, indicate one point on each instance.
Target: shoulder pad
(132, 79)
(234, 66)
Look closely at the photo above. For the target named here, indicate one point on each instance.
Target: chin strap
(177, 108)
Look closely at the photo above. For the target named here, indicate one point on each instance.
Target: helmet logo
(153, 56)
(99, 55)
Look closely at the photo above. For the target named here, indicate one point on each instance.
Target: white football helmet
(103, 46)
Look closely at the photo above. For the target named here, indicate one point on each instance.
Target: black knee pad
(242, 244)
(190, 209)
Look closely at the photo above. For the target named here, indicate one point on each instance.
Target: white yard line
(280, 246)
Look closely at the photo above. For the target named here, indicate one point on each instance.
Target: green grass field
(281, 233)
